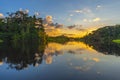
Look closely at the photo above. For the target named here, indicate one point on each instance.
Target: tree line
(103, 35)
(102, 40)
(20, 26)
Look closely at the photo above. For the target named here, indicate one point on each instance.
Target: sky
(86, 13)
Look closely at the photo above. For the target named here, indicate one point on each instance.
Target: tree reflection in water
(21, 56)
(109, 48)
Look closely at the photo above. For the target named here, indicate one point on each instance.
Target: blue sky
(69, 12)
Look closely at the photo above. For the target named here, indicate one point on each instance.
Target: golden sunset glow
(59, 39)
(52, 31)
(69, 46)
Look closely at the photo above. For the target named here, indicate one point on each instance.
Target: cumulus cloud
(51, 28)
(1, 15)
(49, 18)
(48, 21)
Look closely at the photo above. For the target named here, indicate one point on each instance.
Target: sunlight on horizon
(74, 33)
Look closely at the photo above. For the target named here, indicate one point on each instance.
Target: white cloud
(78, 11)
(26, 11)
(49, 18)
(48, 21)
(1, 15)
(98, 7)
(71, 15)
(49, 24)
(96, 19)
(86, 11)
(92, 20)
(37, 13)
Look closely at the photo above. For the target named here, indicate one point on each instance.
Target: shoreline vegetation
(105, 40)
(107, 34)
(116, 41)
(25, 35)
(20, 27)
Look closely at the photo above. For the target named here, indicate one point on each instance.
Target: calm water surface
(54, 61)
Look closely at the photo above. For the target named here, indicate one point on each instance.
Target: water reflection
(22, 56)
(71, 61)
(69, 47)
(109, 48)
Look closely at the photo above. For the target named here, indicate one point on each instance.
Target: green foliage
(58, 39)
(104, 35)
(1, 41)
(19, 26)
(22, 55)
(104, 40)
(116, 41)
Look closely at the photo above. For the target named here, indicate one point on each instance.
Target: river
(55, 61)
